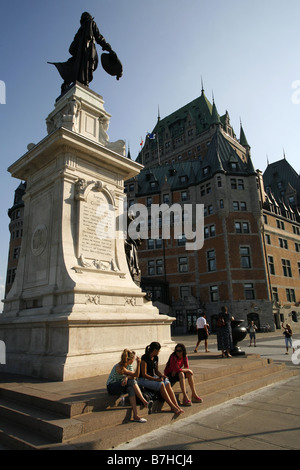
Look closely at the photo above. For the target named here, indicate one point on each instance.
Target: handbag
(221, 322)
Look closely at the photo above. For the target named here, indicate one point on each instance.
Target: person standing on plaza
(202, 331)
(224, 332)
(252, 332)
(288, 333)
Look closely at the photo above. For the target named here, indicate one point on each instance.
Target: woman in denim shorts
(151, 378)
(122, 379)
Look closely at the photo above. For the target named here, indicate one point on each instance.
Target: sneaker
(149, 406)
(140, 420)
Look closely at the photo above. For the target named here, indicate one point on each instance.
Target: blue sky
(248, 53)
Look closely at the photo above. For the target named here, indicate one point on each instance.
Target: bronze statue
(84, 60)
(131, 249)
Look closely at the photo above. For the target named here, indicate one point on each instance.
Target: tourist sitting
(122, 380)
(177, 370)
(152, 379)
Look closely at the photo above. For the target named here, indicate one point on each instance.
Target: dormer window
(153, 184)
(206, 171)
(233, 166)
(183, 179)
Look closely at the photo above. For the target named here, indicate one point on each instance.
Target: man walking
(202, 331)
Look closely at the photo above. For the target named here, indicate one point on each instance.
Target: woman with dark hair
(224, 332)
(152, 379)
(177, 370)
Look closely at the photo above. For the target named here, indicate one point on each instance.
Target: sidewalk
(268, 419)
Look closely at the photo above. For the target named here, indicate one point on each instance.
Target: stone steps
(81, 415)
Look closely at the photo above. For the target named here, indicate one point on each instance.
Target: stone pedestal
(73, 306)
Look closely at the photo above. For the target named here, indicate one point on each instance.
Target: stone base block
(74, 347)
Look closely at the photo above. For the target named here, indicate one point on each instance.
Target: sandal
(197, 399)
(187, 402)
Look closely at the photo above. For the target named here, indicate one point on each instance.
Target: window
(245, 226)
(241, 184)
(241, 227)
(275, 294)
(184, 291)
(290, 295)
(149, 201)
(212, 230)
(236, 206)
(183, 264)
(249, 291)
(297, 247)
(155, 267)
(237, 184)
(159, 266)
(238, 227)
(179, 318)
(265, 219)
(219, 182)
(211, 260)
(182, 240)
(299, 268)
(11, 274)
(243, 206)
(16, 253)
(286, 268)
(150, 243)
(214, 293)
(158, 243)
(184, 195)
(268, 239)
(280, 224)
(151, 268)
(283, 243)
(271, 264)
(183, 179)
(166, 198)
(221, 203)
(245, 257)
(209, 231)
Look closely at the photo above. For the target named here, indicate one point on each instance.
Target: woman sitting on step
(152, 379)
(122, 379)
(177, 370)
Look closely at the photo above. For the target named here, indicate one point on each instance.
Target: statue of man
(84, 60)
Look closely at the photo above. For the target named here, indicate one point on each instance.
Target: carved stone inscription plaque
(97, 231)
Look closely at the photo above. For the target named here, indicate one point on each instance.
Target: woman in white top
(121, 380)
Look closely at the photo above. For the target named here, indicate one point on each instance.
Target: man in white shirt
(202, 331)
